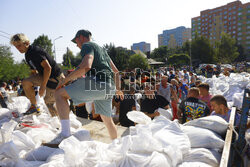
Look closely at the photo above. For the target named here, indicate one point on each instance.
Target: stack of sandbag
(206, 137)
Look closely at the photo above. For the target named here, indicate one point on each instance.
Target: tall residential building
(232, 18)
(142, 46)
(174, 37)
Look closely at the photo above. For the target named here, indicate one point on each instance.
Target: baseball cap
(84, 33)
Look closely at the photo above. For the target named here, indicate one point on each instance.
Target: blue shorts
(87, 90)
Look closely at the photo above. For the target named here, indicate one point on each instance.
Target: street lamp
(55, 45)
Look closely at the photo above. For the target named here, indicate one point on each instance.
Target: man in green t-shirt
(98, 86)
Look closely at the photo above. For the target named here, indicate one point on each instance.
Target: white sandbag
(5, 112)
(238, 99)
(6, 131)
(74, 123)
(209, 156)
(9, 150)
(194, 164)
(22, 163)
(39, 154)
(41, 135)
(169, 133)
(57, 155)
(82, 135)
(142, 160)
(214, 123)
(20, 103)
(138, 117)
(203, 138)
(166, 113)
(22, 141)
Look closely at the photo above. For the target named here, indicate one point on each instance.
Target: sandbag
(213, 123)
(138, 117)
(209, 156)
(39, 154)
(166, 113)
(203, 138)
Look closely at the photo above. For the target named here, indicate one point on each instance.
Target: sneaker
(33, 110)
(55, 142)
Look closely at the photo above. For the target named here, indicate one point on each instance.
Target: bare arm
(81, 70)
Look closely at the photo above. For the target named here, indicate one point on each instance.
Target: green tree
(160, 54)
(67, 58)
(242, 55)
(226, 51)
(202, 50)
(138, 61)
(179, 59)
(44, 42)
(119, 55)
(8, 68)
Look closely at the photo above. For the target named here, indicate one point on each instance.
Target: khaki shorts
(37, 80)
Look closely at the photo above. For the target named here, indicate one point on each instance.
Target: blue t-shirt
(227, 117)
(183, 89)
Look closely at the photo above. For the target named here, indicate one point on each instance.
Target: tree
(8, 68)
(242, 55)
(160, 54)
(202, 50)
(44, 42)
(119, 55)
(179, 59)
(67, 58)
(226, 51)
(138, 61)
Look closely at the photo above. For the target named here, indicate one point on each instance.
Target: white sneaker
(56, 141)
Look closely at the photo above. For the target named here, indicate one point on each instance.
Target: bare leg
(108, 121)
(29, 91)
(61, 97)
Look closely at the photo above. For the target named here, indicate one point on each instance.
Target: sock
(65, 124)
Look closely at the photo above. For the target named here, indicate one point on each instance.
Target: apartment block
(174, 37)
(232, 18)
(142, 46)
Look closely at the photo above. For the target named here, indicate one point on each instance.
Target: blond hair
(19, 38)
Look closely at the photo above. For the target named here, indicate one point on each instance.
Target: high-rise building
(142, 46)
(174, 37)
(232, 18)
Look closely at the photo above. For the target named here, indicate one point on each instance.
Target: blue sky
(122, 22)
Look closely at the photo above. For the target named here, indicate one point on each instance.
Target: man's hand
(120, 94)
(42, 91)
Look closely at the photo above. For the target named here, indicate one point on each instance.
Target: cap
(84, 33)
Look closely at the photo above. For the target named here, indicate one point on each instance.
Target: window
(248, 37)
(230, 14)
(234, 27)
(225, 12)
(234, 22)
(234, 17)
(225, 17)
(234, 32)
(248, 21)
(240, 33)
(239, 29)
(229, 18)
(239, 8)
(230, 8)
(239, 13)
(229, 28)
(239, 38)
(225, 22)
(229, 23)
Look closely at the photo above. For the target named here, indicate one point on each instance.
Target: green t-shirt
(101, 67)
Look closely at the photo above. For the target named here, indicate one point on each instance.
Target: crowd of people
(96, 88)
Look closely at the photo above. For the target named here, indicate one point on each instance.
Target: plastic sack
(39, 154)
(213, 123)
(141, 160)
(20, 103)
(138, 117)
(5, 112)
(22, 141)
(82, 135)
(166, 113)
(169, 133)
(194, 164)
(209, 156)
(6, 131)
(203, 138)
(41, 135)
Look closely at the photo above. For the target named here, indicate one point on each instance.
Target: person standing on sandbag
(98, 85)
(44, 73)
(192, 108)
